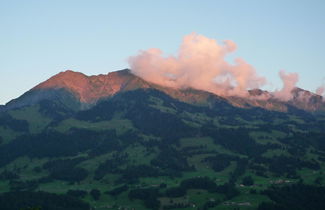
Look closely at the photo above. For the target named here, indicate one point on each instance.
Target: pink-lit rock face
(306, 100)
(88, 89)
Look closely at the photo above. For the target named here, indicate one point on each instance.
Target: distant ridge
(78, 91)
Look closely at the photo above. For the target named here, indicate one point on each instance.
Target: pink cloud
(289, 81)
(320, 90)
(200, 63)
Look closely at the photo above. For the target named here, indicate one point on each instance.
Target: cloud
(200, 63)
(289, 81)
(320, 90)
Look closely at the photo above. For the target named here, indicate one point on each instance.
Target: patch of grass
(7, 134)
(165, 201)
(262, 137)
(120, 125)
(207, 143)
(308, 176)
(4, 186)
(196, 160)
(296, 119)
(191, 123)
(278, 134)
(139, 155)
(275, 152)
(37, 122)
(200, 141)
(119, 202)
(92, 164)
(245, 201)
(198, 118)
(200, 197)
(25, 167)
(158, 104)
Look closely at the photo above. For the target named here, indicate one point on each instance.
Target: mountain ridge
(79, 91)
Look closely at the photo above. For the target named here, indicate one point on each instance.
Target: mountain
(78, 91)
(306, 100)
(89, 89)
(116, 141)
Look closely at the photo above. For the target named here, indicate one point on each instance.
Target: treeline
(66, 170)
(111, 165)
(284, 165)
(297, 196)
(9, 122)
(150, 195)
(56, 144)
(40, 200)
(219, 162)
(94, 193)
(236, 140)
(169, 159)
(203, 183)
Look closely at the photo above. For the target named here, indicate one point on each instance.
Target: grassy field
(120, 125)
(37, 122)
(7, 134)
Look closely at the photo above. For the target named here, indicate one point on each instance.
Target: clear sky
(41, 38)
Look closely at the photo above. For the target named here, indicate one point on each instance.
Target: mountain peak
(306, 100)
(89, 89)
(303, 94)
(69, 73)
(262, 94)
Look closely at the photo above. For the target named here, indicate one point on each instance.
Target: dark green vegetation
(40, 200)
(143, 149)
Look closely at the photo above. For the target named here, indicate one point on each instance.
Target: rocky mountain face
(78, 91)
(89, 89)
(306, 100)
(301, 99)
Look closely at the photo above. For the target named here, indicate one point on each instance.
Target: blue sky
(41, 38)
